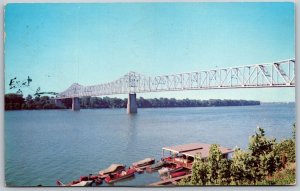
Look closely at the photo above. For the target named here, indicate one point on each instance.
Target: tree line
(267, 162)
(17, 102)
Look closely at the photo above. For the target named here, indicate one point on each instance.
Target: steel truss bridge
(267, 75)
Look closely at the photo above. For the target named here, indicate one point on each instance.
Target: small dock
(169, 181)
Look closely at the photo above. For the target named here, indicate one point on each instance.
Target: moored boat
(177, 174)
(120, 176)
(75, 183)
(139, 170)
(144, 162)
(165, 170)
(91, 177)
(113, 168)
(156, 166)
(98, 181)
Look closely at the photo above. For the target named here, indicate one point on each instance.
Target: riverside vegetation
(267, 162)
(17, 102)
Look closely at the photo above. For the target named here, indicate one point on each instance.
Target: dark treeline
(17, 102)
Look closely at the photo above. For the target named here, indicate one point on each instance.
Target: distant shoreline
(138, 107)
(265, 103)
(17, 102)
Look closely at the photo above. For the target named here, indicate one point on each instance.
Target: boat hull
(120, 176)
(118, 179)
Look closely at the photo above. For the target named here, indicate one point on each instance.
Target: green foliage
(241, 171)
(17, 102)
(269, 163)
(106, 102)
(200, 170)
(165, 102)
(258, 166)
(259, 144)
(265, 159)
(286, 150)
(14, 101)
(215, 170)
(224, 173)
(214, 159)
(286, 176)
(185, 182)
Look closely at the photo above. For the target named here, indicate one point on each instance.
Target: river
(42, 146)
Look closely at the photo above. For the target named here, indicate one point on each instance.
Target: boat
(120, 176)
(98, 181)
(139, 170)
(144, 162)
(166, 170)
(177, 174)
(91, 177)
(156, 166)
(113, 168)
(163, 170)
(75, 183)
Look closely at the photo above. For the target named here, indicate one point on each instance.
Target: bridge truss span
(276, 74)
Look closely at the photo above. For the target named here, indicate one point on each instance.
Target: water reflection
(131, 131)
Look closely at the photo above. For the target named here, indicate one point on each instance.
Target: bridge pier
(131, 104)
(75, 104)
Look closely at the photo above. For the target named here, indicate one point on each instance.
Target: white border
(2, 179)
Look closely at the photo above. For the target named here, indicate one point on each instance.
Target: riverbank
(17, 102)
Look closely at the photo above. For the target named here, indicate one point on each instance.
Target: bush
(265, 160)
(286, 149)
(214, 159)
(285, 176)
(253, 167)
(199, 172)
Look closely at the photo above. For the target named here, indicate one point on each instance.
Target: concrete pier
(75, 104)
(131, 104)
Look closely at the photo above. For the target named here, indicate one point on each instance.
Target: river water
(46, 145)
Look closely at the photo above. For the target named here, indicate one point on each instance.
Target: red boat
(96, 178)
(177, 174)
(86, 178)
(120, 176)
(83, 181)
(98, 181)
(75, 183)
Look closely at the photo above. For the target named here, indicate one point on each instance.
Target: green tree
(262, 150)
(14, 101)
(224, 173)
(286, 149)
(269, 163)
(214, 159)
(240, 171)
(199, 172)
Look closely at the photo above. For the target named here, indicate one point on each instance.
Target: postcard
(149, 94)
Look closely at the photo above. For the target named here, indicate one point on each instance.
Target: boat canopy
(193, 149)
(141, 162)
(111, 168)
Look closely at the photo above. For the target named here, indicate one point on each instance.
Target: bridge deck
(276, 74)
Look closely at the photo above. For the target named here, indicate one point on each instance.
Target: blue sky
(59, 44)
